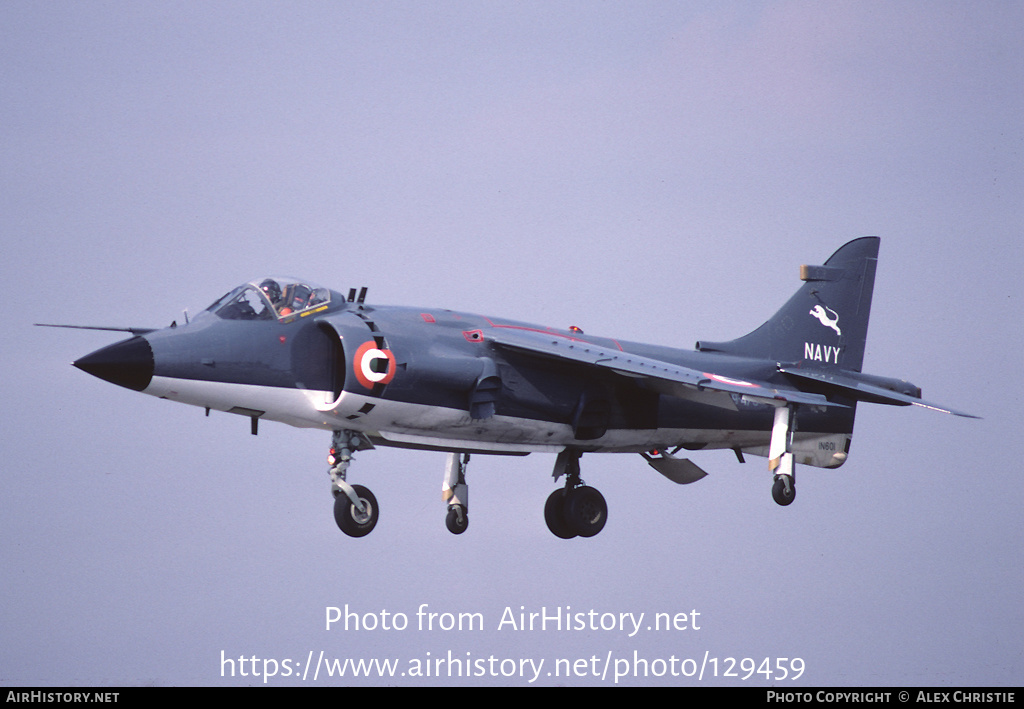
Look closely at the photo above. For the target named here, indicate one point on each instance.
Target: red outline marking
(549, 331)
(730, 381)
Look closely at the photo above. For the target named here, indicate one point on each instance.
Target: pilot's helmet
(272, 290)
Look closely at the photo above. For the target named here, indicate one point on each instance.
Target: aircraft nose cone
(128, 363)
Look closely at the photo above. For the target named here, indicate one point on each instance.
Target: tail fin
(826, 322)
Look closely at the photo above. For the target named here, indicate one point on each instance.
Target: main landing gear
(575, 510)
(355, 507)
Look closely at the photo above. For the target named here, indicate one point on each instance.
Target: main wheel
(585, 511)
(350, 520)
(554, 515)
(457, 519)
(779, 492)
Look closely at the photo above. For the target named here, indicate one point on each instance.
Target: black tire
(349, 519)
(554, 515)
(585, 511)
(779, 491)
(452, 521)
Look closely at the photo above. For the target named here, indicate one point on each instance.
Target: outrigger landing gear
(355, 507)
(576, 509)
(780, 456)
(784, 489)
(455, 492)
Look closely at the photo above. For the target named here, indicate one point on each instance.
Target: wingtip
(945, 410)
(133, 330)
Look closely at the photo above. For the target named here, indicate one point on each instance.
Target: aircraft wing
(858, 389)
(664, 377)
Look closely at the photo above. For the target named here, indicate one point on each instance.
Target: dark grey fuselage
(444, 384)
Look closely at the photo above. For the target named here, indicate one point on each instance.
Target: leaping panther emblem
(832, 321)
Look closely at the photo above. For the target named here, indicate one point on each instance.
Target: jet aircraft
(288, 350)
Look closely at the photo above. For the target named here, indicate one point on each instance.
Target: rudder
(825, 323)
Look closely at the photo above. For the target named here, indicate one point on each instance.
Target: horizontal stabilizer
(681, 471)
(856, 387)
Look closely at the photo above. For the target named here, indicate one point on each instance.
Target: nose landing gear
(355, 507)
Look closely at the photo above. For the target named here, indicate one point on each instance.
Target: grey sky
(651, 171)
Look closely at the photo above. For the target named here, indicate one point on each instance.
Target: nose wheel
(352, 520)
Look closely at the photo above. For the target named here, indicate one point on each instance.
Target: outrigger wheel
(457, 519)
(784, 490)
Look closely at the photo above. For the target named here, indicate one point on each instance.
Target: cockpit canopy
(271, 298)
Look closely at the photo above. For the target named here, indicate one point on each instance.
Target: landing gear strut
(456, 493)
(576, 509)
(355, 507)
(780, 456)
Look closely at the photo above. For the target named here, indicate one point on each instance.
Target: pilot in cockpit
(288, 296)
(272, 289)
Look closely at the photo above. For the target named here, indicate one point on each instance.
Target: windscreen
(270, 298)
